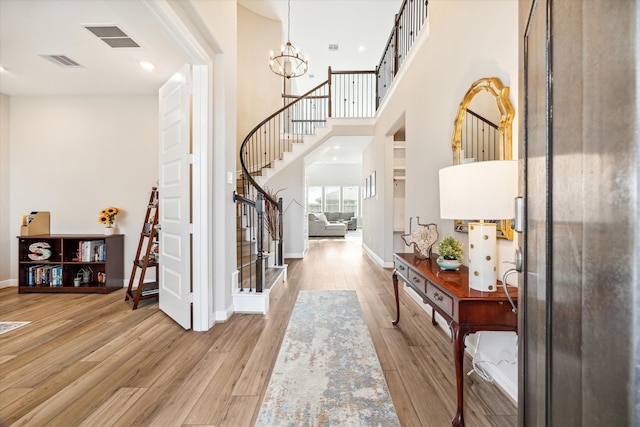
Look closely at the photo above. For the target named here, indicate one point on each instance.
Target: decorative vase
(108, 231)
(448, 264)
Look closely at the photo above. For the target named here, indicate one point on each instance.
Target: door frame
(201, 60)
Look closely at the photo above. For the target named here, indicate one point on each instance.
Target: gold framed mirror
(482, 132)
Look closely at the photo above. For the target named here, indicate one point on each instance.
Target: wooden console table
(466, 310)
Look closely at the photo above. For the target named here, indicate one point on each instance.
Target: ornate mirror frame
(493, 86)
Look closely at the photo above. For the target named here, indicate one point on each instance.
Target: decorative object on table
(423, 239)
(35, 223)
(450, 254)
(480, 190)
(108, 218)
(40, 251)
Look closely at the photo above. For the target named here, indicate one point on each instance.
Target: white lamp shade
(480, 190)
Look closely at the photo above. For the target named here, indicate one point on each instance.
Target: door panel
(580, 155)
(533, 292)
(175, 198)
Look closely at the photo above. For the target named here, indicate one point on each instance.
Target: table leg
(434, 322)
(459, 334)
(395, 291)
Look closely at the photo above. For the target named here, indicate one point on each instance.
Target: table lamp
(475, 191)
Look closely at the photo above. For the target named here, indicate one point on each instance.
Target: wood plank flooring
(89, 360)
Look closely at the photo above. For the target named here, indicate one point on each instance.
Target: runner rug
(10, 326)
(327, 372)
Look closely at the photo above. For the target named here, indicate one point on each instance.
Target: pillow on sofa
(321, 217)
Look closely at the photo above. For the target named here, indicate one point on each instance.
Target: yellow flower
(108, 216)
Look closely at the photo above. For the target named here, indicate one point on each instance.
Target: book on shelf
(150, 291)
(91, 250)
(44, 275)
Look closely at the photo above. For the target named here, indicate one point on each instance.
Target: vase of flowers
(450, 254)
(108, 218)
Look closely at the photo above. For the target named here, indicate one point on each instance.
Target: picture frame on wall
(367, 189)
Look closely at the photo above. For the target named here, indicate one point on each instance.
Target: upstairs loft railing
(345, 94)
(407, 25)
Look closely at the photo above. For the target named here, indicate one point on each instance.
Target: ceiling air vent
(62, 61)
(113, 36)
(333, 46)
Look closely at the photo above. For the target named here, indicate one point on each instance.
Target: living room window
(314, 198)
(333, 198)
(350, 196)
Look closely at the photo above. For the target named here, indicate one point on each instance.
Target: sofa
(319, 226)
(346, 217)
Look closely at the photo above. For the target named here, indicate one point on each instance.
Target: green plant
(450, 248)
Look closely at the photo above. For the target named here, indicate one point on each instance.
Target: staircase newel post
(280, 244)
(260, 242)
(329, 86)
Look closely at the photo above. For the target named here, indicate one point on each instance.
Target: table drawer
(402, 268)
(442, 300)
(417, 280)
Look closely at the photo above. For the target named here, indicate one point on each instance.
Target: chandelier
(289, 62)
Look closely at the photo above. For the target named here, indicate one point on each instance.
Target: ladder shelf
(146, 256)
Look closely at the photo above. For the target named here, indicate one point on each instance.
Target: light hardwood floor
(90, 360)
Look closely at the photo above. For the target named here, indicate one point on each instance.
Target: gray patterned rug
(327, 372)
(10, 326)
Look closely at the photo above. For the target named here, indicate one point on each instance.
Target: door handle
(506, 291)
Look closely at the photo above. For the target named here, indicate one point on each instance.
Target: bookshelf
(49, 263)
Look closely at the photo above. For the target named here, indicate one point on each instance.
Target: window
(314, 199)
(331, 198)
(350, 199)
(334, 198)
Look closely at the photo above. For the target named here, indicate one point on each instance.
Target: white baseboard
(294, 255)
(376, 258)
(8, 283)
(223, 315)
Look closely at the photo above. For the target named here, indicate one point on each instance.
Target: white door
(175, 197)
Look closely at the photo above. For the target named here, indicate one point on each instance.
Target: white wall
(259, 89)
(334, 174)
(74, 156)
(291, 183)
(6, 235)
(467, 40)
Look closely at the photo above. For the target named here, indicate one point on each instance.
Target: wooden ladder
(146, 256)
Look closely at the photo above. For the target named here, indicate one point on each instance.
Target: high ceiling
(32, 28)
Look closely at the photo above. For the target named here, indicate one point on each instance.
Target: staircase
(343, 105)
(307, 121)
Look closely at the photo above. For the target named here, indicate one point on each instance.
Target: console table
(465, 310)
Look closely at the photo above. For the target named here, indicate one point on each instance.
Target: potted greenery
(450, 254)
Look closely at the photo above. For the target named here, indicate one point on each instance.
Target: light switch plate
(229, 177)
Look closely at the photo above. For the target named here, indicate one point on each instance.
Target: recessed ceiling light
(2, 69)
(337, 147)
(361, 49)
(147, 65)
(334, 158)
